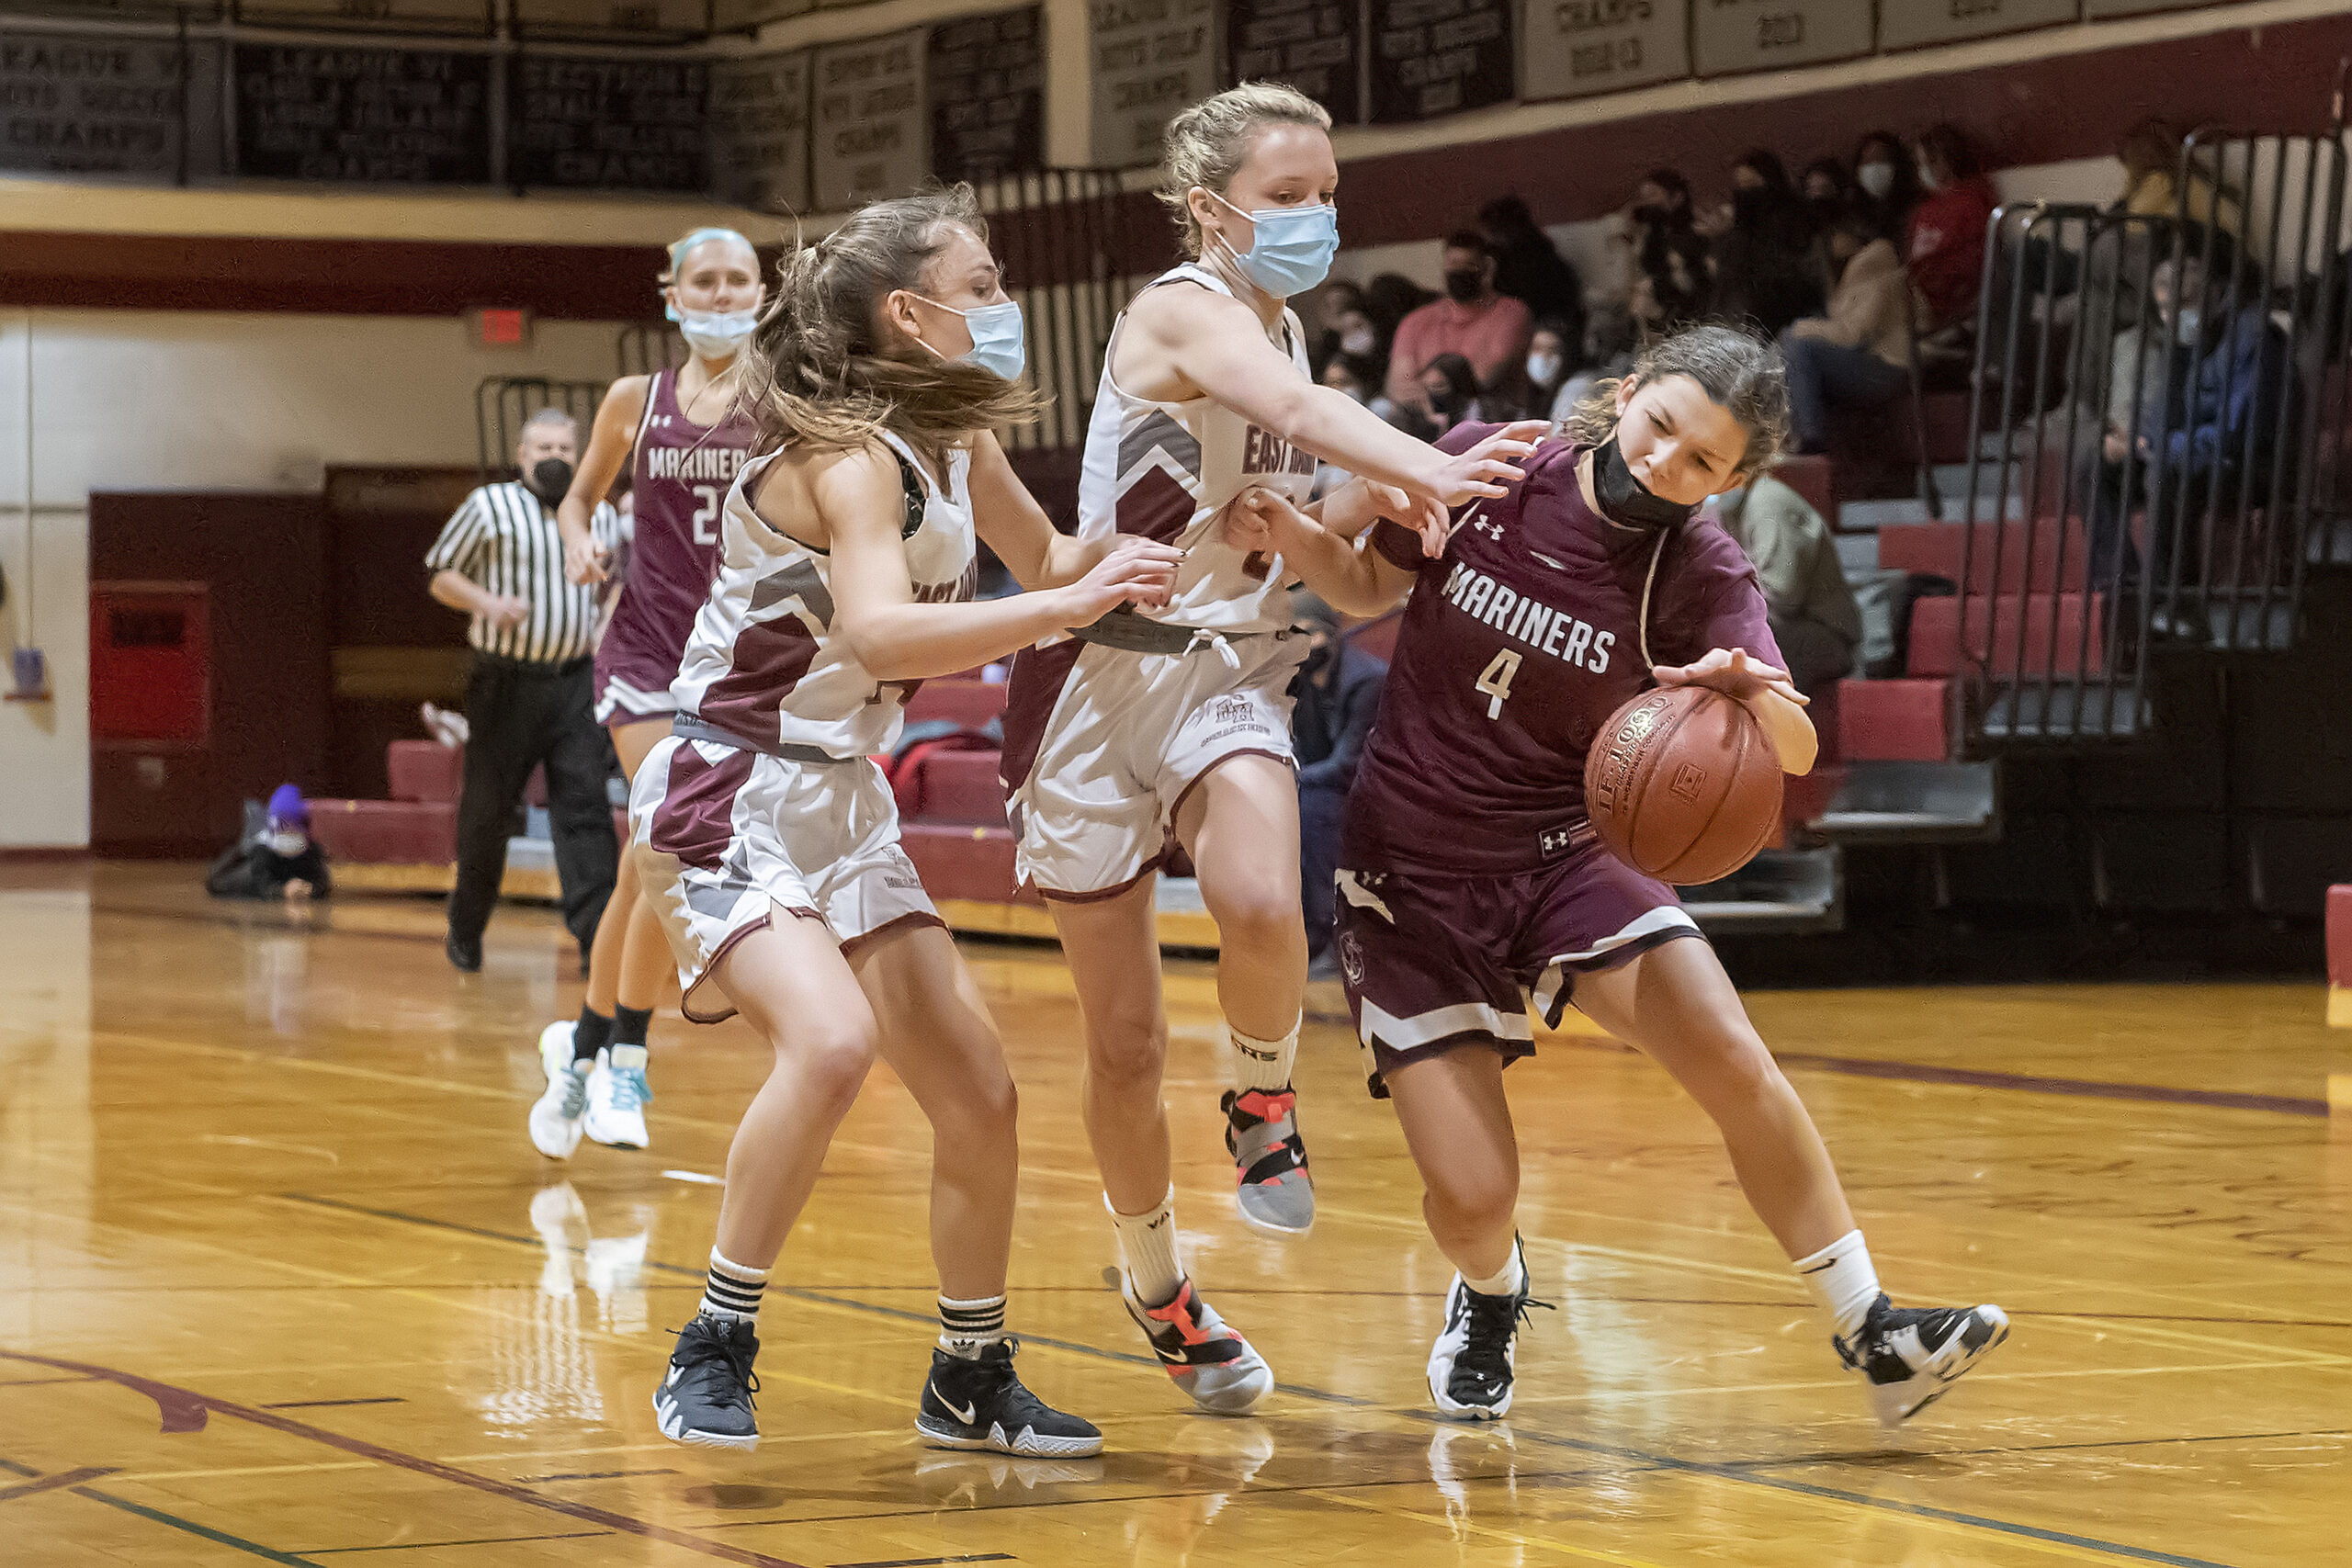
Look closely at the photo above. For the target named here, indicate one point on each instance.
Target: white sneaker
(617, 1095)
(556, 1115)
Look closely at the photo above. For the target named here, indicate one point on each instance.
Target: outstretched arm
(1352, 577)
(1006, 515)
(585, 561)
(860, 502)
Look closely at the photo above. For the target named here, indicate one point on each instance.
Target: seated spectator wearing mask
(1886, 178)
(1553, 356)
(1486, 329)
(1946, 245)
(1760, 250)
(1337, 692)
(1451, 393)
(1859, 356)
(1530, 268)
(1339, 306)
(1813, 617)
(276, 858)
(2207, 429)
(1668, 248)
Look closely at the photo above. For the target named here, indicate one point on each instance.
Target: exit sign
(499, 327)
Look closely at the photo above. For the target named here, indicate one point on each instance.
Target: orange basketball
(1682, 784)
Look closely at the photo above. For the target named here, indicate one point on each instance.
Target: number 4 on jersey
(1496, 681)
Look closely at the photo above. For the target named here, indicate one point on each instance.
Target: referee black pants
(521, 715)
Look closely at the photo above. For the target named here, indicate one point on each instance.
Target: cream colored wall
(188, 401)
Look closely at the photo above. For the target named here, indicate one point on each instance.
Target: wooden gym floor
(281, 1279)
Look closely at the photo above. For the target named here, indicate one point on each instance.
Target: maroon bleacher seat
(954, 787)
(386, 832)
(1810, 477)
(968, 703)
(2055, 562)
(1895, 721)
(959, 862)
(423, 770)
(2062, 635)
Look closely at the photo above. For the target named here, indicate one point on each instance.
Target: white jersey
(762, 667)
(1165, 470)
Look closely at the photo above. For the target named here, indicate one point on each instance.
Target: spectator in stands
(1668, 248)
(1388, 299)
(2151, 155)
(1760, 248)
(1887, 177)
(1450, 392)
(500, 560)
(275, 857)
(1346, 325)
(1529, 266)
(1473, 320)
(1946, 247)
(1813, 617)
(1859, 356)
(1337, 692)
(1554, 352)
(1826, 189)
(2228, 390)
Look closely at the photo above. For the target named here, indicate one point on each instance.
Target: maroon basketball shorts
(1434, 962)
(635, 664)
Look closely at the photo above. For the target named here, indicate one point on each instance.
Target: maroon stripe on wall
(2038, 111)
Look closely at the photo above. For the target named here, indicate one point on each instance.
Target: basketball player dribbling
(1170, 727)
(767, 837)
(1472, 879)
(685, 435)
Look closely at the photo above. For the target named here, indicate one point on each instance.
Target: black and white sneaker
(981, 1404)
(706, 1397)
(1472, 1364)
(1912, 1356)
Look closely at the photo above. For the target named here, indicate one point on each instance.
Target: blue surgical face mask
(716, 334)
(1289, 247)
(999, 345)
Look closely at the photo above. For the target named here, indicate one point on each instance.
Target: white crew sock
(1147, 1242)
(1509, 1282)
(1841, 1279)
(1262, 1064)
(733, 1291)
(966, 1328)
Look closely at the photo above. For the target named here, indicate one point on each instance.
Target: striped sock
(1262, 1064)
(732, 1290)
(1147, 1242)
(966, 1328)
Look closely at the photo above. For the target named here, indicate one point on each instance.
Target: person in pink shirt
(1488, 329)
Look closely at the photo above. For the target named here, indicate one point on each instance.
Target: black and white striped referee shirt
(506, 540)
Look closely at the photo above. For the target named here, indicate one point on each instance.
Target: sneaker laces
(1493, 1321)
(703, 1343)
(630, 1092)
(1000, 1389)
(575, 1091)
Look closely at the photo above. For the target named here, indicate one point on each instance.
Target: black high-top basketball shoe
(706, 1397)
(1475, 1357)
(981, 1404)
(1912, 1356)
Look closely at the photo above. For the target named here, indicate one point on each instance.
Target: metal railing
(503, 404)
(2152, 464)
(648, 346)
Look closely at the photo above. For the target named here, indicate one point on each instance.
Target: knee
(984, 1115)
(1483, 1200)
(1261, 916)
(1127, 1053)
(831, 1064)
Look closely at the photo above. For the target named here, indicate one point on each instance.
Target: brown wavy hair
(825, 371)
(1741, 374)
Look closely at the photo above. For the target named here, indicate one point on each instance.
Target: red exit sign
(499, 327)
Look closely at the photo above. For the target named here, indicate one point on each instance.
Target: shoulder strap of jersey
(911, 477)
(654, 385)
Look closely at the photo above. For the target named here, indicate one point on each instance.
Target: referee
(500, 560)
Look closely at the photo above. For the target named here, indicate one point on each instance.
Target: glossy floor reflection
(282, 1279)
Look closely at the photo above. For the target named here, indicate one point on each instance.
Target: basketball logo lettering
(1689, 780)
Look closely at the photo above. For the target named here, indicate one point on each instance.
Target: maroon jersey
(1517, 645)
(681, 478)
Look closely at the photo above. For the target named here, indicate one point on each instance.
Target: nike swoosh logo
(965, 1415)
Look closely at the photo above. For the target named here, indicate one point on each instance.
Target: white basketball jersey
(1165, 470)
(763, 665)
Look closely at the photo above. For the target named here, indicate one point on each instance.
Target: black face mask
(550, 480)
(1651, 213)
(1444, 402)
(1624, 499)
(1464, 286)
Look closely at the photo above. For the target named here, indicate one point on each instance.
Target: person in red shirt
(1488, 329)
(1945, 239)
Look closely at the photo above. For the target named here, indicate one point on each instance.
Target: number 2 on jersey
(706, 514)
(1496, 681)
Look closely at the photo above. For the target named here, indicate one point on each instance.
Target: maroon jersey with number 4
(1517, 645)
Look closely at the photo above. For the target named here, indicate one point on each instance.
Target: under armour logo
(1489, 526)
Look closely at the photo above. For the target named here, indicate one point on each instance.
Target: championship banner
(612, 18)
(1729, 37)
(1314, 45)
(759, 131)
(743, 16)
(1575, 48)
(1439, 57)
(102, 103)
(1914, 23)
(866, 136)
(363, 116)
(606, 123)
(1147, 59)
(476, 17)
(985, 82)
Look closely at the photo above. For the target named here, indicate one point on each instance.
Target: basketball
(1682, 784)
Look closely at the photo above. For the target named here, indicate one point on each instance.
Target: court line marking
(1453, 1526)
(52, 1482)
(1622, 1453)
(2033, 1083)
(334, 1404)
(220, 1538)
(482, 1540)
(168, 1398)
